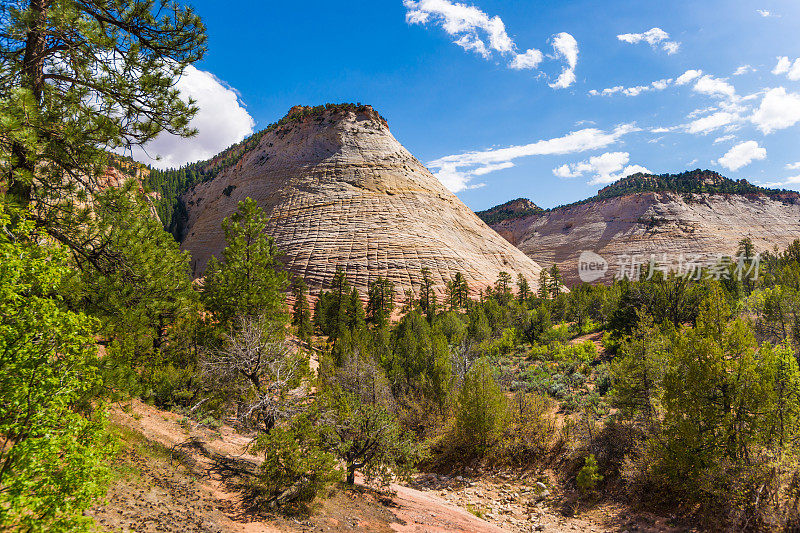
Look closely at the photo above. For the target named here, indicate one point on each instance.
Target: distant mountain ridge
(698, 213)
(519, 207)
(686, 183)
(691, 181)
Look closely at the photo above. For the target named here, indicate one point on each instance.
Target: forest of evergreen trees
(673, 394)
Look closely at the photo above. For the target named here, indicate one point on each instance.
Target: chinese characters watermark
(592, 266)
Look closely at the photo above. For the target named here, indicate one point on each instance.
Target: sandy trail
(413, 510)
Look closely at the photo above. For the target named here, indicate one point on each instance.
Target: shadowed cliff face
(657, 223)
(340, 190)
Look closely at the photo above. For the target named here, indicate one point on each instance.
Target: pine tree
(428, 303)
(420, 362)
(338, 310)
(457, 292)
(409, 302)
(544, 284)
(79, 78)
(638, 371)
(503, 287)
(301, 311)
(746, 252)
(249, 281)
(380, 301)
(482, 412)
(146, 304)
(555, 281)
(523, 289)
(356, 318)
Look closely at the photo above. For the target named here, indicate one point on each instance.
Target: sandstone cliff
(655, 222)
(341, 190)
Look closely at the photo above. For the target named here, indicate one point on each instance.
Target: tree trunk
(32, 79)
(351, 474)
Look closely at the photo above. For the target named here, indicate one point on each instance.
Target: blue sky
(505, 99)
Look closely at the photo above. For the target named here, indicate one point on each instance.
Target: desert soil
(170, 477)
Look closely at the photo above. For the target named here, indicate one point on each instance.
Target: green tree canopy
(53, 461)
(249, 280)
(79, 78)
(380, 301)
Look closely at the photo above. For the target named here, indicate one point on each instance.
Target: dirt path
(162, 494)
(169, 480)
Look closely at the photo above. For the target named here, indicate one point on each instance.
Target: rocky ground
(531, 502)
(170, 477)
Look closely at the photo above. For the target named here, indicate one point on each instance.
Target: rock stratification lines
(634, 226)
(340, 190)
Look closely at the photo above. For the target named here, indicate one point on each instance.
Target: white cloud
(744, 69)
(476, 31)
(724, 138)
(688, 76)
(764, 13)
(714, 87)
(793, 166)
(658, 85)
(607, 167)
(653, 37)
(472, 43)
(742, 155)
(701, 111)
(221, 121)
(480, 171)
(786, 66)
(566, 47)
(790, 182)
(457, 171)
(705, 84)
(711, 122)
(783, 66)
(468, 23)
(778, 110)
(529, 60)
(671, 47)
(607, 92)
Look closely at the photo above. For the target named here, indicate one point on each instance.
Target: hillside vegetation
(671, 393)
(521, 207)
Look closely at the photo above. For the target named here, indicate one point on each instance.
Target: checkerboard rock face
(340, 190)
(675, 232)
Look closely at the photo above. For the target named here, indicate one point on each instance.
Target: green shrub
(505, 344)
(367, 437)
(295, 467)
(170, 386)
(482, 412)
(588, 478)
(54, 454)
(531, 428)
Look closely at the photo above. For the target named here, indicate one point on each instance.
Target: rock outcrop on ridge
(340, 190)
(702, 217)
(516, 208)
